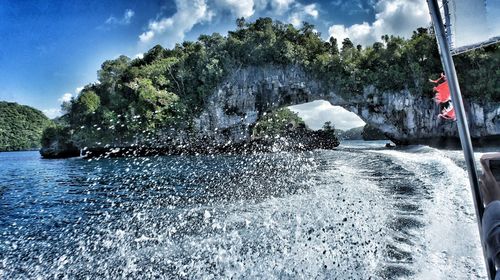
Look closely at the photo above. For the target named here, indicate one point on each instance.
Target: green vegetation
(57, 142)
(21, 127)
(168, 87)
(54, 133)
(277, 123)
(329, 128)
(284, 127)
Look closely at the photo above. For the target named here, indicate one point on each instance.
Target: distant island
(21, 127)
(213, 92)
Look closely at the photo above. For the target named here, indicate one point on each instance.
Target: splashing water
(357, 212)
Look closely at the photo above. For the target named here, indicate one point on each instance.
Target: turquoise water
(357, 212)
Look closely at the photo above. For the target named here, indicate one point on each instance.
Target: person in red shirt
(443, 98)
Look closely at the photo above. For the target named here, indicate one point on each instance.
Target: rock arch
(238, 102)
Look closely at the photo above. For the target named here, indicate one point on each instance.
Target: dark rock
(372, 133)
(57, 143)
(59, 150)
(353, 134)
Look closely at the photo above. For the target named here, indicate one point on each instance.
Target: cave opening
(316, 113)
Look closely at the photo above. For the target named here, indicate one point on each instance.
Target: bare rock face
(405, 118)
(248, 93)
(409, 119)
(59, 149)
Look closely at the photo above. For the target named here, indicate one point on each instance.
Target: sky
(316, 113)
(50, 49)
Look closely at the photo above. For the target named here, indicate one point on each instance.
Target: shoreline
(261, 146)
(20, 150)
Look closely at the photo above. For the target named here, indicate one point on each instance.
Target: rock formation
(403, 117)
(230, 113)
(59, 149)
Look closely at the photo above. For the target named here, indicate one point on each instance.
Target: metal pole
(463, 127)
(447, 21)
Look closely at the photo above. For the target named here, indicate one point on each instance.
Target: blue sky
(49, 49)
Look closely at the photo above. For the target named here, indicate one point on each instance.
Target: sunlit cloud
(124, 20)
(302, 13)
(395, 17)
(65, 97)
(238, 8)
(172, 29)
(316, 113)
(52, 113)
(281, 6)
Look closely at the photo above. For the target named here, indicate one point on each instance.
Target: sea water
(358, 212)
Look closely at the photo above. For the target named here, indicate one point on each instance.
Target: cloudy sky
(50, 49)
(316, 113)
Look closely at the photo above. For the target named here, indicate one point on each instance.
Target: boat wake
(359, 212)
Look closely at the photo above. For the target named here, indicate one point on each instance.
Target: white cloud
(174, 28)
(124, 20)
(146, 36)
(281, 6)
(65, 97)
(52, 113)
(301, 13)
(393, 17)
(316, 113)
(56, 112)
(128, 16)
(339, 32)
(311, 10)
(358, 33)
(238, 8)
(247, 8)
(295, 20)
(139, 55)
(169, 30)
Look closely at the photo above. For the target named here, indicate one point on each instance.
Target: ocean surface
(358, 212)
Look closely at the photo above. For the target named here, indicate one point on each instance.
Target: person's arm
(437, 80)
(490, 190)
(491, 230)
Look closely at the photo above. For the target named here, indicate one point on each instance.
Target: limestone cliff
(404, 117)
(409, 119)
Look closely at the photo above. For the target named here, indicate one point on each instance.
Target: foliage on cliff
(168, 87)
(57, 143)
(285, 128)
(21, 127)
(277, 123)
